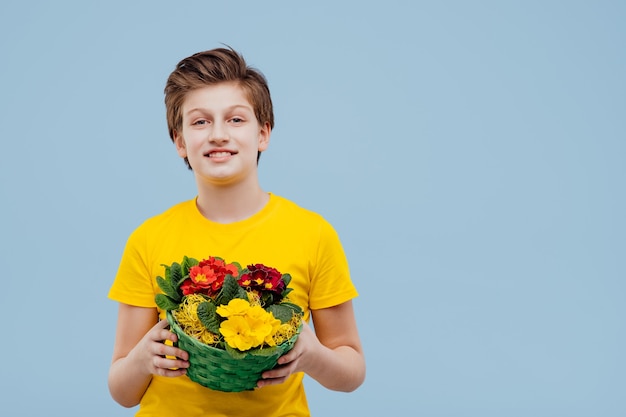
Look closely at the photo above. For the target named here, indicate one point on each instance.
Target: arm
(332, 355)
(139, 352)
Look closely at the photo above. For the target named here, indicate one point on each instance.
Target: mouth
(219, 154)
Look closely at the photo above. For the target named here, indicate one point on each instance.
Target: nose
(219, 133)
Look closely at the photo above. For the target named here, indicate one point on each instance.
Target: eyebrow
(228, 109)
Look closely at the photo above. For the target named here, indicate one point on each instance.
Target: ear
(179, 141)
(264, 136)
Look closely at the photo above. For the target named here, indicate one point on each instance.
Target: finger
(163, 324)
(161, 332)
(270, 381)
(162, 335)
(163, 365)
(170, 373)
(163, 350)
(279, 371)
(289, 357)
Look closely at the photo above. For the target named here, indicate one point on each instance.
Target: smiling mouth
(220, 154)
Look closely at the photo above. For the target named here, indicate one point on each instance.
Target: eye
(200, 122)
(236, 120)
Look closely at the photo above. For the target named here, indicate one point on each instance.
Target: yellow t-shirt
(282, 235)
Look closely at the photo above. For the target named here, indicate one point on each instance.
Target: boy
(219, 115)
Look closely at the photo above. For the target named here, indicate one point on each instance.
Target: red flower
(263, 278)
(208, 277)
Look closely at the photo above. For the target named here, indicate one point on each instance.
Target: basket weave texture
(216, 369)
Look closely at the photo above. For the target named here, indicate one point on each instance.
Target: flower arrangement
(235, 322)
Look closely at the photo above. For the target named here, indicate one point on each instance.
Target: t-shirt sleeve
(331, 284)
(133, 282)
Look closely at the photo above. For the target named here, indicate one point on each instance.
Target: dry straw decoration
(234, 322)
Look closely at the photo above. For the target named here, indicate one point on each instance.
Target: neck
(230, 204)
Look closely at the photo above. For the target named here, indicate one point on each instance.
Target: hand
(332, 355)
(293, 361)
(158, 358)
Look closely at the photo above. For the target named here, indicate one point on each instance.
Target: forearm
(143, 347)
(127, 381)
(339, 369)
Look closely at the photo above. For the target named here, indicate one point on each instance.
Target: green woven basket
(214, 368)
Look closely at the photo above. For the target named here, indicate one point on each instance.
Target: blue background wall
(470, 154)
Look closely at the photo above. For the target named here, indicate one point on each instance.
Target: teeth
(219, 154)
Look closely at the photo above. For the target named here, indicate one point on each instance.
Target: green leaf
(163, 284)
(176, 274)
(167, 271)
(166, 303)
(187, 264)
(230, 290)
(170, 290)
(283, 312)
(236, 354)
(286, 292)
(266, 351)
(208, 316)
(287, 279)
(295, 307)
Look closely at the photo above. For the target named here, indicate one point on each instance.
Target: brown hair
(212, 67)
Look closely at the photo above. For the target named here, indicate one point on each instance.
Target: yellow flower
(276, 325)
(235, 307)
(238, 333)
(247, 326)
(265, 322)
(256, 312)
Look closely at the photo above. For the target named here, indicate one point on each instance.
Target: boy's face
(220, 134)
